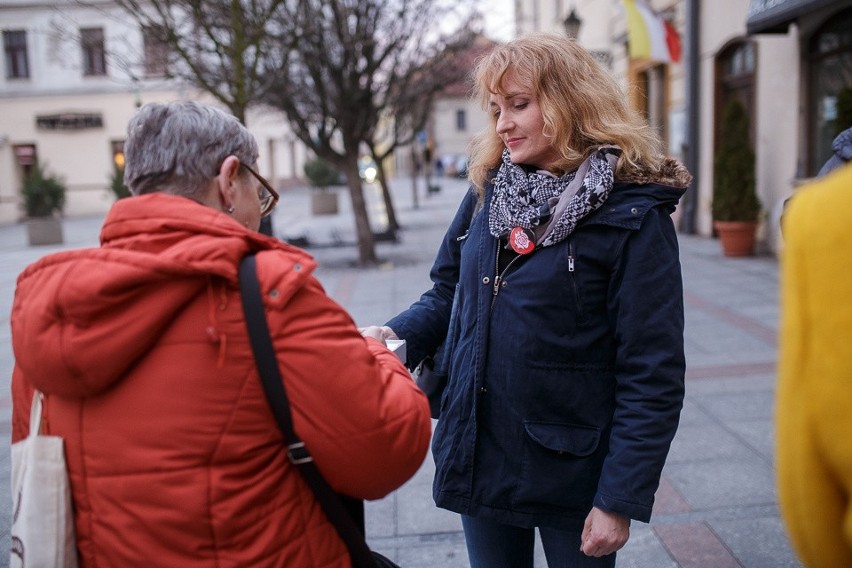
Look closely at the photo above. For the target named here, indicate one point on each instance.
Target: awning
(775, 16)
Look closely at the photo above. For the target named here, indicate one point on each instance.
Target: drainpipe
(693, 104)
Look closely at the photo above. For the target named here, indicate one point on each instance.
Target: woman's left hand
(604, 533)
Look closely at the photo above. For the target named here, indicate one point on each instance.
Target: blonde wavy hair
(581, 104)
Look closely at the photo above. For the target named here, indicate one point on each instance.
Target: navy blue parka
(566, 373)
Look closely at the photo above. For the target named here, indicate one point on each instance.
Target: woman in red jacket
(141, 350)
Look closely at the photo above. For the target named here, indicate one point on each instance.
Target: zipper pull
(463, 237)
(497, 284)
(571, 255)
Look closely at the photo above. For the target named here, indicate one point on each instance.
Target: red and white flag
(650, 36)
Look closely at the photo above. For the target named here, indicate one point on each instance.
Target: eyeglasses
(268, 197)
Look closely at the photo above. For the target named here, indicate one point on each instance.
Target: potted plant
(321, 175)
(736, 207)
(44, 199)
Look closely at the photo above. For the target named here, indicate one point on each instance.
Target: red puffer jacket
(141, 349)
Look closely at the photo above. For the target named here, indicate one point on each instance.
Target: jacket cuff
(631, 510)
(402, 331)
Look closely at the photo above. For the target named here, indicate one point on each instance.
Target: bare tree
(343, 74)
(411, 98)
(219, 46)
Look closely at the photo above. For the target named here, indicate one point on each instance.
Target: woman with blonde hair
(557, 305)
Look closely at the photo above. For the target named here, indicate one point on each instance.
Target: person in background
(558, 299)
(141, 350)
(814, 401)
(842, 148)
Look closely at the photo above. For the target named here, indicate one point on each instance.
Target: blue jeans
(492, 545)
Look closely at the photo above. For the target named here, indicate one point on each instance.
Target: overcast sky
(499, 18)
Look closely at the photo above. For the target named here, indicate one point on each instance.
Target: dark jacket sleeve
(646, 311)
(424, 325)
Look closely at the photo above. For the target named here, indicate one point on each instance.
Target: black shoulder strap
(276, 395)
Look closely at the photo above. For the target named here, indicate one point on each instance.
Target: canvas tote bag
(42, 518)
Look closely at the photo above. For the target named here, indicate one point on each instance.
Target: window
(652, 83)
(830, 104)
(15, 45)
(735, 71)
(461, 120)
(94, 54)
(156, 51)
(26, 157)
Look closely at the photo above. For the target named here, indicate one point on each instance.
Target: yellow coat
(814, 406)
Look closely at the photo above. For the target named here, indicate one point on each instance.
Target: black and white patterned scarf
(522, 199)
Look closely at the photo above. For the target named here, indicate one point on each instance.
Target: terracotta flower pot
(737, 237)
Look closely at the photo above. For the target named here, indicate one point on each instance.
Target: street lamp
(572, 24)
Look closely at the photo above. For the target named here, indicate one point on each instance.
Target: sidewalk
(716, 506)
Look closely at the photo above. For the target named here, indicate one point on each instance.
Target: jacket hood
(81, 318)
(671, 173)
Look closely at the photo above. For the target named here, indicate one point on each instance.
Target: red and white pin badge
(522, 240)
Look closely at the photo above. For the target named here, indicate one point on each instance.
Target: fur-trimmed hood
(671, 173)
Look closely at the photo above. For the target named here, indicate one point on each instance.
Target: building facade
(73, 76)
(788, 61)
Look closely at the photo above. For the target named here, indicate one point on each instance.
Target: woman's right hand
(382, 333)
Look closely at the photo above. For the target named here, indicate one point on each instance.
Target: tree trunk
(366, 245)
(393, 224)
(414, 176)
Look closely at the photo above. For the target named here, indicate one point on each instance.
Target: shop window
(15, 46)
(830, 96)
(94, 52)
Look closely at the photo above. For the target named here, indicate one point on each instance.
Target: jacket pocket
(561, 466)
(570, 439)
(573, 280)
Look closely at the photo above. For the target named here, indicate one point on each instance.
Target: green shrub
(320, 173)
(116, 183)
(734, 195)
(43, 194)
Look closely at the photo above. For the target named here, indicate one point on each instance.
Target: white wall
(778, 127)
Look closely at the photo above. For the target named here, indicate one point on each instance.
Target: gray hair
(178, 147)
